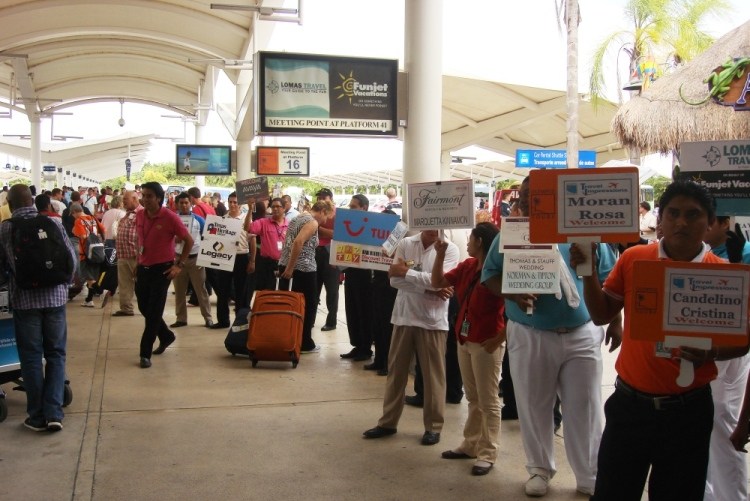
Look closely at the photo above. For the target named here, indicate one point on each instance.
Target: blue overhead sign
(553, 159)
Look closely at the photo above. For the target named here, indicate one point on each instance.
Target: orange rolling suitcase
(276, 326)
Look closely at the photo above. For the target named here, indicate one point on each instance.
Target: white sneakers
(536, 486)
(589, 491)
(88, 304)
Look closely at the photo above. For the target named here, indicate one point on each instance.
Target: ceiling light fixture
(121, 121)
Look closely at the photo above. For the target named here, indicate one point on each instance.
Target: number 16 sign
(283, 161)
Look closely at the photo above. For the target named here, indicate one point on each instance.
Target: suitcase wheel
(67, 395)
(294, 364)
(295, 360)
(255, 362)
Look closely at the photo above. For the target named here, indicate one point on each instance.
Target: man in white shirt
(648, 222)
(420, 324)
(56, 199)
(289, 211)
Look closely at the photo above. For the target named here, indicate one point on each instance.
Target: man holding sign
(652, 421)
(554, 349)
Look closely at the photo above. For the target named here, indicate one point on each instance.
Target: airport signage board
(282, 161)
(553, 159)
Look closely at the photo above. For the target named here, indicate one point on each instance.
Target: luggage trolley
(10, 366)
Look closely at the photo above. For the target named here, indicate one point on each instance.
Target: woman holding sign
(297, 263)
(480, 330)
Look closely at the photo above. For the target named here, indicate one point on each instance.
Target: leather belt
(663, 402)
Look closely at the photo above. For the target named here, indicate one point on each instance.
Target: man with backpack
(40, 259)
(90, 233)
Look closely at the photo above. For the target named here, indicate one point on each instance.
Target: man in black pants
(358, 292)
(158, 228)
(327, 275)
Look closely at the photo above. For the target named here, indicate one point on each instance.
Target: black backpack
(40, 253)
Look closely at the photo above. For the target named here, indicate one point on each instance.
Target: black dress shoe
(382, 372)
(163, 346)
(414, 401)
(430, 438)
(508, 414)
(178, 324)
(327, 327)
(379, 432)
(480, 470)
(454, 401)
(353, 353)
(145, 363)
(370, 367)
(361, 357)
(219, 326)
(454, 455)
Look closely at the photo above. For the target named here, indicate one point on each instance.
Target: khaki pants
(197, 276)
(480, 372)
(126, 282)
(430, 347)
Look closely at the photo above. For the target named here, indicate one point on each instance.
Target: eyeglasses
(276, 206)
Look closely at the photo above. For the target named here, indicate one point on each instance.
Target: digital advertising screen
(204, 160)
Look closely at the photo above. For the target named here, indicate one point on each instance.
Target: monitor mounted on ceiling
(204, 160)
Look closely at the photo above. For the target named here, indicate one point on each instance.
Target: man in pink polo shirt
(272, 232)
(158, 228)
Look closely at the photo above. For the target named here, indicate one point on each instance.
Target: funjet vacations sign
(441, 205)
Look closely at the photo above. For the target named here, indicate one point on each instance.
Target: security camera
(121, 122)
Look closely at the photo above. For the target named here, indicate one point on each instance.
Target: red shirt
(203, 209)
(156, 235)
(329, 225)
(480, 307)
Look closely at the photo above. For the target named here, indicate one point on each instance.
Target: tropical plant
(668, 30)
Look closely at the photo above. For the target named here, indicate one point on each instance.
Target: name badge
(279, 245)
(465, 328)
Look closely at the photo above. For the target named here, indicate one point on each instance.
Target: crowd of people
(431, 305)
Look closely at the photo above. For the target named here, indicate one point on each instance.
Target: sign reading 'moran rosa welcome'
(601, 203)
(307, 93)
(441, 205)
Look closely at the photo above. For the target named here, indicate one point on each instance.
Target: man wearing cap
(327, 275)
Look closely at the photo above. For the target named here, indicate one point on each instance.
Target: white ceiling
(61, 53)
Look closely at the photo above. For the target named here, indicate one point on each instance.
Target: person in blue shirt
(555, 349)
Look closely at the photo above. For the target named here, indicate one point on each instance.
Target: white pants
(545, 364)
(727, 470)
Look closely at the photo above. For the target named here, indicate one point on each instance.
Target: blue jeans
(42, 334)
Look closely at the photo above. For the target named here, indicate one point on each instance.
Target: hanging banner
(690, 299)
(601, 203)
(219, 245)
(441, 205)
(319, 94)
(358, 237)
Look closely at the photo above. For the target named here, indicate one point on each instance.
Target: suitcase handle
(278, 277)
(277, 312)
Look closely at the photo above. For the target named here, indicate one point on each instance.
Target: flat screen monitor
(204, 160)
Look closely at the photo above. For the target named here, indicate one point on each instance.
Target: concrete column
(36, 153)
(243, 160)
(423, 63)
(200, 181)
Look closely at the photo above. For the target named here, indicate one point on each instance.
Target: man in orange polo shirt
(650, 420)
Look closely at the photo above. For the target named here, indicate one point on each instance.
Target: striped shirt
(31, 299)
(126, 242)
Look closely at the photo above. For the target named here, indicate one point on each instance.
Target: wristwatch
(180, 264)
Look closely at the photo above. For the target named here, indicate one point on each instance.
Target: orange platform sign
(597, 203)
(699, 300)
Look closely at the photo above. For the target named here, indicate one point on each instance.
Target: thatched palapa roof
(658, 120)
